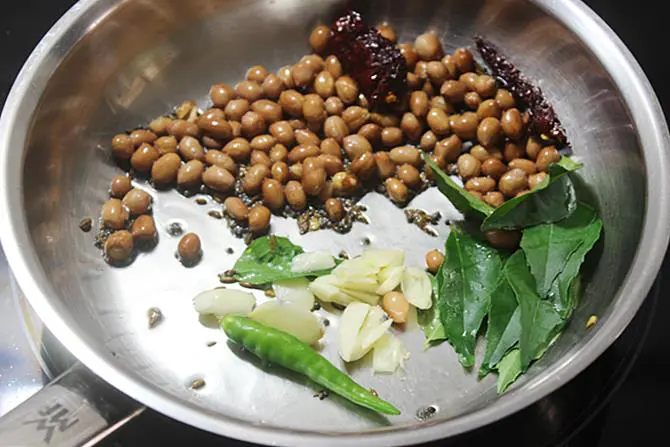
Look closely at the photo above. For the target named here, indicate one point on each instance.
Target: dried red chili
(543, 119)
(374, 62)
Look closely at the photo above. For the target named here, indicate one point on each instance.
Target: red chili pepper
(543, 119)
(374, 62)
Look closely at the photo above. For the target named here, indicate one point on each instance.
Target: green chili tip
(283, 349)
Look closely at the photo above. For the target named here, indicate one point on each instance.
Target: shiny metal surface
(21, 371)
(72, 410)
(110, 64)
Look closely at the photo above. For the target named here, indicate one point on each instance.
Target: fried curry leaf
(268, 259)
(470, 274)
(509, 369)
(552, 200)
(549, 247)
(464, 202)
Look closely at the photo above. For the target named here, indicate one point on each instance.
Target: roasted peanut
(189, 249)
(144, 157)
(396, 190)
(396, 306)
(189, 175)
(364, 165)
(409, 175)
(273, 194)
(122, 147)
(406, 154)
(355, 145)
(137, 201)
(114, 214)
(434, 260)
(120, 186)
(253, 178)
(546, 157)
(236, 208)
(334, 209)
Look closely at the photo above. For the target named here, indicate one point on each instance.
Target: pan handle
(76, 409)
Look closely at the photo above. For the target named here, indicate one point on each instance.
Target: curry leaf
(268, 259)
(560, 294)
(566, 304)
(549, 247)
(540, 322)
(504, 318)
(552, 200)
(470, 274)
(509, 369)
(464, 202)
(431, 324)
(568, 164)
(429, 319)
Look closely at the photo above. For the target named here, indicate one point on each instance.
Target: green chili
(283, 349)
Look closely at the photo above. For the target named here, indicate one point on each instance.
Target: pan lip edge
(654, 239)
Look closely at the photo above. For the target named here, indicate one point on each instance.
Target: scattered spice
(215, 214)
(543, 119)
(374, 62)
(425, 413)
(197, 384)
(101, 237)
(310, 220)
(155, 317)
(270, 293)
(338, 306)
(226, 279)
(315, 218)
(201, 201)
(343, 255)
(230, 251)
(365, 241)
(326, 322)
(591, 321)
(321, 395)
(422, 219)
(86, 224)
(175, 229)
(316, 306)
(374, 392)
(210, 344)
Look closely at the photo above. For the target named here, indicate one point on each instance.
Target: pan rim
(645, 111)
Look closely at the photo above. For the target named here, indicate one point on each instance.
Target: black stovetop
(626, 391)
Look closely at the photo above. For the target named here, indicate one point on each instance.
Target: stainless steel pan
(110, 64)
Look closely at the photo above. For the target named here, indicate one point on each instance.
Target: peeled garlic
(388, 353)
(361, 283)
(384, 258)
(389, 278)
(222, 302)
(295, 291)
(416, 287)
(312, 261)
(356, 268)
(289, 318)
(324, 289)
(361, 325)
(359, 295)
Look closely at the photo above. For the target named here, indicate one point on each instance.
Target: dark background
(637, 412)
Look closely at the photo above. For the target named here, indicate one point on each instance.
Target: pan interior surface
(129, 62)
